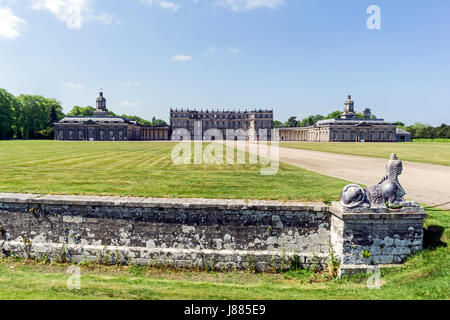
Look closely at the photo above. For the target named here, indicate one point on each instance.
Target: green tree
(6, 114)
(159, 123)
(33, 114)
(334, 115)
(311, 120)
(367, 113)
(78, 111)
(292, 122)
(277, 124)
(399, 124)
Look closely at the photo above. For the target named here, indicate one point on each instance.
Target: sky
(297, 57)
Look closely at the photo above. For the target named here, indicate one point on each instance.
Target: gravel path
(425, 183)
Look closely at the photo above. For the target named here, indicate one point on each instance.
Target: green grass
(424, 276)
(146, 169)
(425, 152)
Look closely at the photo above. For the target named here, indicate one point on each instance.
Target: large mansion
(103, 127)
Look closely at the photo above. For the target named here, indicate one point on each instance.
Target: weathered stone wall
(363, 237)
(219, 234)
(223, 234)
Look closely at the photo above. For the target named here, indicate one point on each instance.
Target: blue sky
(299, 57)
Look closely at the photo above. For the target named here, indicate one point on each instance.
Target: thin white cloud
(246, 5)
(10, 24)
(130, 104)
(211, 51)
(72, 12)
(181, 58)
(133, 84)
(233, 50)
(162, 4)
(73, 85)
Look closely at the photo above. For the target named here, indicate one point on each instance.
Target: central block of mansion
(103, 127)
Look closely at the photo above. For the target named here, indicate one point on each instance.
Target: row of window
(223, 124)
(362, 136)
(220, 116)
(102, 135)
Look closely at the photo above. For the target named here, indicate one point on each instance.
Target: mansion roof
(94, 119)
(353, 122)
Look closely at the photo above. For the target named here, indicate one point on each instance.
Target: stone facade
(346, 129)
(364, 237)
(219, 234)
(99, 127)
(222, 121)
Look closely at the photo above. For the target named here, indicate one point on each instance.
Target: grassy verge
(425, 275)
(146, 169)
(424, 152)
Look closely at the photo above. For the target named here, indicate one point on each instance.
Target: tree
(52, 117)
(292, 122)
(159, 123)
(277, 124)
(334, 115)
(367, 113)
(311, 120)
(33, 113)
(78, 111)
(399, 124)
(6, 114)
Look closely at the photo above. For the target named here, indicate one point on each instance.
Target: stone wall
(218, 234)
(363, 237)
(222, 234)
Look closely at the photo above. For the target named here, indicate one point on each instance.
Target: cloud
(130, 104)
(233, 50)
(73, 85)
(133, 84)
(246, 5)
(72, 12)
(162, 4)
(181, 58)
(10, 24)
(213, 50)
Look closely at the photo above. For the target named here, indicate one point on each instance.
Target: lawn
(146, 169)
(424, 276)
(425, 152)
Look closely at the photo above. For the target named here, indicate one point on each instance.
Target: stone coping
(383, 213)
(192, 203)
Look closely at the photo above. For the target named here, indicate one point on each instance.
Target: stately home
(221, 120)
(346, 129)
(103, 127)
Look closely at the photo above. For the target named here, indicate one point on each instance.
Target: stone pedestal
(363, 238)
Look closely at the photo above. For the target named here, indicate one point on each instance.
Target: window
(111, 135)
(102, 135)
(80, 135)
(70, 134)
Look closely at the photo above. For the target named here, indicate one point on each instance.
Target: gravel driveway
(424, 183)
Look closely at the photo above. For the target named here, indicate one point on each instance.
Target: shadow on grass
(432, 237)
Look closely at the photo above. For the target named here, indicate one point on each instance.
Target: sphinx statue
(388, 193)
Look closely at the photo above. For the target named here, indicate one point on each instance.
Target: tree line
(32, 116)
(425, 131)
